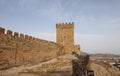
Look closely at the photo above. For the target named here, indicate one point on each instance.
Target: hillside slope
(103, 69)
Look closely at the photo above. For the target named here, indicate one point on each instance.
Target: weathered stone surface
(15, 50)
(19, 49)
(16, 35)
(65, 37)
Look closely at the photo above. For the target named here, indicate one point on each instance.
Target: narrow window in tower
(64, 40)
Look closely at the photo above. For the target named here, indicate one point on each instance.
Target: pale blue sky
(97, 22)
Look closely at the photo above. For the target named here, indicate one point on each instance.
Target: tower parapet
(65, 25)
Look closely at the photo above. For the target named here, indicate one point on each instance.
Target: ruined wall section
(18, 49)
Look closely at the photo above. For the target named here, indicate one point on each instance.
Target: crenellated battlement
(26, 37)
(2, 30)
(15, 35)
(9, 33)
(21, 36)
(72, 23)
(65, 25)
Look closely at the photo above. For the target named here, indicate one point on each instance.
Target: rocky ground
(104, 69)
(60, 66)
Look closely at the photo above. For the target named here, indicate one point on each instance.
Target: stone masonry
(18, 49)
(65, 37)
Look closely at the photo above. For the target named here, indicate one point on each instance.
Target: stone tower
(65, 36)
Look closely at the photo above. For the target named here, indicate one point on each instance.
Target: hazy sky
(97, 22)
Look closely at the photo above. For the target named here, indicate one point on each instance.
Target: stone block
(26, 37)
(2, 30)
(30, 37)
(16, 35)
(9, 33)
(21, 36)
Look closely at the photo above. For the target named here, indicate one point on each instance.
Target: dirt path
(15, 71)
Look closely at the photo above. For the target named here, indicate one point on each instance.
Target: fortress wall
(18, 49)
